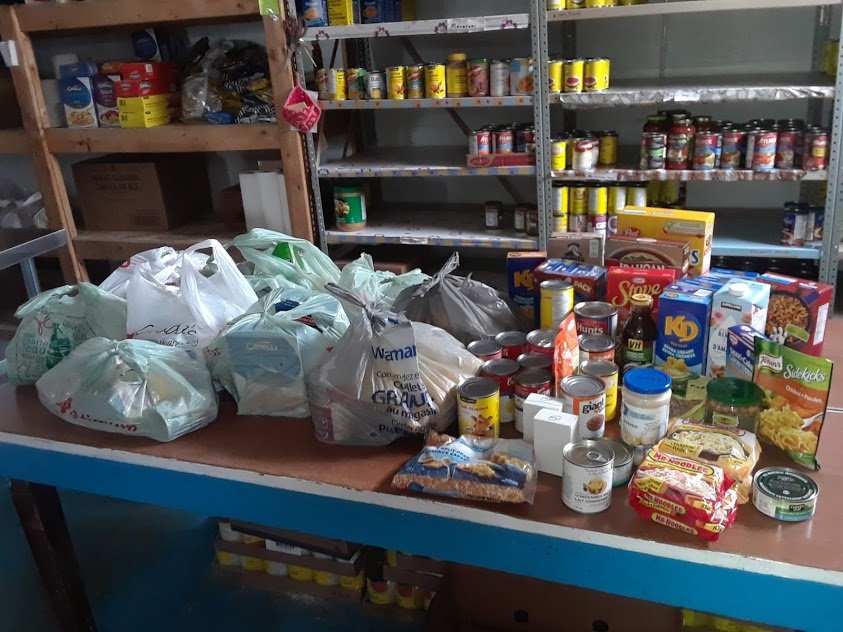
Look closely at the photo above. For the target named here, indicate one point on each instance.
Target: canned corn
(434, 81)
(396, 82)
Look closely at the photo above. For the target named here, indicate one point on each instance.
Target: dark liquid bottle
(639, 334)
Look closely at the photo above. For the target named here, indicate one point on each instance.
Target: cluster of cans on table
(580, 207)
(558, 5)
(673, 139)
(505, 138)
(459, 77)
(583, 150)
(587, 74)
(802, 224)
(525, 217)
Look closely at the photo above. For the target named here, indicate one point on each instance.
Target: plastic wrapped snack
(131, 387)
(476, 468)
(262, 357)
(710, 529)
(385, 378)
(57, 321)
(467, 309)
(376, 286)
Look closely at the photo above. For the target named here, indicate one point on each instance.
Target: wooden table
(272, 471)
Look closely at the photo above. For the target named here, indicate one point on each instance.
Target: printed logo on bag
(773, 363)
(391, 355)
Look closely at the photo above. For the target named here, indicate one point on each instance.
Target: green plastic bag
(57, 321)
(131, 387)
(296, 260)
(375, 286)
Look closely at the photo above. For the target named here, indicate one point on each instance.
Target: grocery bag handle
(451, 264)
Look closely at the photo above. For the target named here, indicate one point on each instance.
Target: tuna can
(521, 76)
(478, 407)
(485, 349)
(480, 143)
(596, 347)
(415, 81)
(621, 464)
(531, 360)
(815, 149)
(375, 82)
(478, 77)
(434, 81)
(504, 140)
(573, 71)
(335, 84)
(499, 78)
(731, 149)
(513, 344)
(706, 151)
(585, 397)
(596, 317)
(559, 204)
(607, 372)
(596, 77)
(558, 154)
(554, 75)
(555, 303)
(355, 83)
(503, 371)
(396, 82)
(784, 494)
(527, 382)
(541, 341)
(587, 476)
(786, 148)
(608, 148)
(764, 151)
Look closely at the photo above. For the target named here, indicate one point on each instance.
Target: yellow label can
(434, 81)
(253, 564)
(608, 149)
(335, 84)
(352, 582)
(616, 199)
(554, 75)
(224, 558)
(574, 4)
(558, 154)
(560, 224)
(589, 4)
(559, 204)
(573, 71)
(555, 5)
(578, 204)
(396, 82)
(479, 407)
(596, 77)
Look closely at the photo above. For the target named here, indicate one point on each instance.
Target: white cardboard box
(553, 430)
(532, 405)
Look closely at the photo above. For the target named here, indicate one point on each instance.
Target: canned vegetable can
(499, 78)
(478, 407)
(434, 81)
(596, 74)
(556, 302)
(415, 81)
(587, 476)
(375, 84)
(396, 82)
(573, 73)
(478, 77)
(554, 75)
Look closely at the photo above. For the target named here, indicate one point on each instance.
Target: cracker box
(521, 284)
(695, 227)
(682, 341)
(798, 312)
(647, 252)
(582, 247)
(589, 281)
(622, 283)
(740, 351)
(105, 101)
(142, 71)
(739, 302)
(77, 97)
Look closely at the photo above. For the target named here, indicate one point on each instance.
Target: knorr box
(695, 227)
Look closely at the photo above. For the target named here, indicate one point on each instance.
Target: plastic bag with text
(131, 387)
(376, 286)
(467, 309)
(191, 308)
(386, 378)
(57, 321)
(262, 357)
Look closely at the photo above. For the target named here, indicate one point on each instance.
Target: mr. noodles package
(796, 389)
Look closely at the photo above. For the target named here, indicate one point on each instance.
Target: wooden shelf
(111, 13)
(13, 141)
(119, 245)
(177, 137)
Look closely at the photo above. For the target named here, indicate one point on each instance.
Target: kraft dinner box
(682, 341)
(521, 283)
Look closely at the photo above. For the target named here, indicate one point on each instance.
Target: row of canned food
(504, 138)
(558, 5)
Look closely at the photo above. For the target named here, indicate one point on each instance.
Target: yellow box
(130, 120)
(139, 104)
(408, 10)
(695, 227)
(340, 12)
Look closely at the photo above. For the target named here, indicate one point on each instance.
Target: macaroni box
(646, 252)
(740, 302)
(521, 284)
(740, 351)
(797, 313)
(694, 227)
(622, 283)
(582, 247)
(682, 341)
(589, 281)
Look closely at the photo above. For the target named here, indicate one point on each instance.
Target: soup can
(478, 77)
(786, 148)
(815, 149)
(596, 347)
(636, 195)
(607, 372)
(706, 151)
(556, 301)
(396, 82)
(731, 149)
(434, 81)
(503, 372)
(480, 142)
(485, 349)
(622, 462)
(573, 71)
(529, 361)
(582, 154)
(558, 154)
(554, 75)
(499, 78)
(585, 397)
(596, 317)
(530, 381)
(513, 344)
(375, 83)
(355, 83)
(587, 476)
(504, 140)
(764, 150)
(541, 341)
(596, 74)
(519, 218)
(478, 407)
(415, 81)
(616, 199)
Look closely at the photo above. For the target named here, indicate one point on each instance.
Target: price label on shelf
(466, 25)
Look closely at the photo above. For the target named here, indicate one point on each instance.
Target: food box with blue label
(521, 283)
(77, 97)
(589, 281)
(682, 341)
(740, 351)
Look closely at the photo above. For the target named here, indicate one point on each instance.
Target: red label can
(541, 341)
(503, 371)
(480, 143)
(764, 151)
(504, 141)
(732, 149)
(514, 343)
(485, 349)
(596, 317)
(786, 149)
(526, 382)
(815, 153)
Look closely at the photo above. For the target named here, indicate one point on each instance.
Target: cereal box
(589, 281)
(522, 290)
(796, 387)
(582, 247)
(682, 341)
(77, 97)
(797, 312)
(740, 302)
(622, 283)
(695, 227)
(740, 351)
(646, 252)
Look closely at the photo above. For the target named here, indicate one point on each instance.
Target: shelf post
(541, 114)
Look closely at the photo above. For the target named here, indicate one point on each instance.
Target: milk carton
(739, 302)
(681, 344)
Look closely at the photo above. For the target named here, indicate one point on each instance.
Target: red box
(645, 252)
(143, 87)
(797, 312)
(622, 283)
(589, 281)
(111, 68)
(137, 70)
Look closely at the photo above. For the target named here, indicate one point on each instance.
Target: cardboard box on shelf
(145, 192)
(583, 247)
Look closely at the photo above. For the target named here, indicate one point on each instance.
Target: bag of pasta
(733, 449)
(796, 388)
(710, 529)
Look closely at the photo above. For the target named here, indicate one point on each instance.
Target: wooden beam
(292, 147)
(35, 121)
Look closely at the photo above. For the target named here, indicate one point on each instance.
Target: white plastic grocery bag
(261, 358)
(376, 286)
(57, 321)
(188, 310)
(131, 387)
(296, 260)
(386, 378)
(154, 261)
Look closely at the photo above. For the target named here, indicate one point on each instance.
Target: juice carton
(682, 341)
(740, 302)
(740, 351)
(521, 283)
